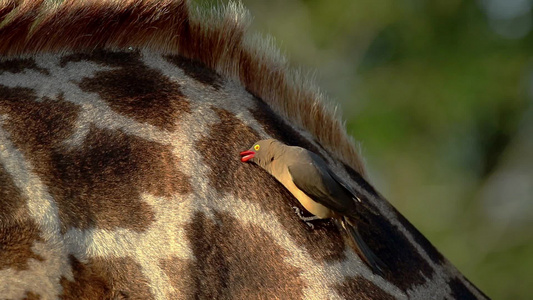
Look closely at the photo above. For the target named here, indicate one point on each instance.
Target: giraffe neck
(120, 175)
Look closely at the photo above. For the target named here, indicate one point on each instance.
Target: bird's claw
(298, 212)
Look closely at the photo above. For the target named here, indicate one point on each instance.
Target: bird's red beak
(247, 155)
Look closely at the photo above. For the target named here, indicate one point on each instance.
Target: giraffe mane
(218, 38)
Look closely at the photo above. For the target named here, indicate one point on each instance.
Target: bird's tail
(366, 254)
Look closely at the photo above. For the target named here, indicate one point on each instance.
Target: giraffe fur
(119, 168)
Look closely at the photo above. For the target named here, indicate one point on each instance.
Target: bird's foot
(298, 212)
(305, 219)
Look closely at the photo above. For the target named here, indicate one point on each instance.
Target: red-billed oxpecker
(312, 182)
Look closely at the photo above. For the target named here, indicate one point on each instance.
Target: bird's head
(262, 152)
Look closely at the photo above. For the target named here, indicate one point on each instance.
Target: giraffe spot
(107, 177)
(11, 201)
(405, 267)
(180, 273)
(109, 278)
(221, 148)
(355, 176)
(36, 125)
(18, 232)
(278, 128)
(250, 183)
(421, 240)
(360, 288)
(101, 183)
(31, 296)
(16, 241)
(196, 70)
(133, 89)
(19, 65)
(460, 291)
(238, 261)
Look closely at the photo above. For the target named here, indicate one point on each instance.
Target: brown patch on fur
(107, 178)
(11, 201)
(109, 278)
(360, 288)
(100, 184)
(278, 128)
(361, 181)
(483, 295)
(19, 65)
(405, 267)
(239, 261)
(460, 291)
(16, 241)
(34, 125)
(221, 149)
(133, 89)
(218, 40)
(196, 70)
(248, 181)
(18, 232)
(31, 296)
(421, 240)
(180, 274)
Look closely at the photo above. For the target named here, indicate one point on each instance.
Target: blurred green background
(439, 93)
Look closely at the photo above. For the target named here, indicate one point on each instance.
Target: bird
(309, 179)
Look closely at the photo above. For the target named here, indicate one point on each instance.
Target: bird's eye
(256, 147)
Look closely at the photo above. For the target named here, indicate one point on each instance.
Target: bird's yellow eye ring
(256, 147)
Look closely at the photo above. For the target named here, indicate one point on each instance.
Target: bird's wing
(317, 183)
(344, 185)
(355, 196)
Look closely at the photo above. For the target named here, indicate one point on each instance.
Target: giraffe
(120, 128)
